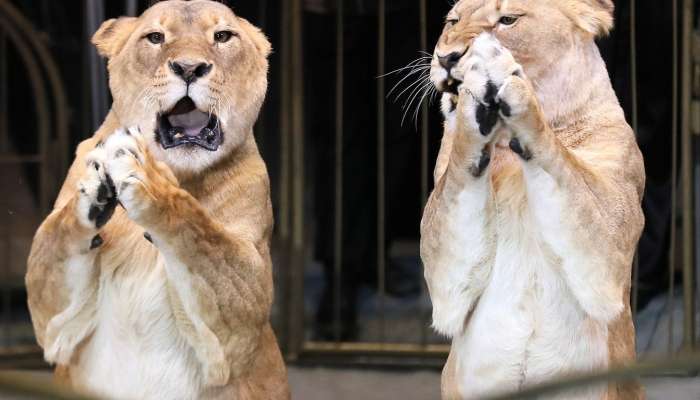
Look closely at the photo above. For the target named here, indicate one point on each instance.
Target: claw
(518, 149)
(96, 242)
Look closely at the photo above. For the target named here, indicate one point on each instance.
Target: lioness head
(192, 73)
(537, 32)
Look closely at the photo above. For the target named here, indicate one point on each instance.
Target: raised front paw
(487, 73)
(97, 197)
(138, 179)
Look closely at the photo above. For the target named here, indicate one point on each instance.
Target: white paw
(124, 162)
(64, 333)
(96, 196)
(61, 349)
(486, 72)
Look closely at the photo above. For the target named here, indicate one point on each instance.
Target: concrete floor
(372, 384)
(352, 384)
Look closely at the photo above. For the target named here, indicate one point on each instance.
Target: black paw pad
(106, 202)
(106, 190)
(101, 213)
(505, 109)
(490, 95)
(96, 242)
(487, 112)
(478, 169)
(518, 149)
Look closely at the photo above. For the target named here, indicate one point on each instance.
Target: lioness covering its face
(529, 235)
(168, 295)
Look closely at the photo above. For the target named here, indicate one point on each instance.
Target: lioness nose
(189, 72)
(450, 60)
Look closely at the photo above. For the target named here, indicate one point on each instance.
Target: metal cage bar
(424, 154)
(635, 128)
(381, 168)
(687, 180)
(95, 12)
(339, 115)
(674, 181)
(131, 7)
(296, 149)
(4, 132)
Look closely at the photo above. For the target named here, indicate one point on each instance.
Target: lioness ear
(255, 34)
(112, 35)
(593, 16)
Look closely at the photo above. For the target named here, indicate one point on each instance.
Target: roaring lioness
(151, 278)
(529, 236)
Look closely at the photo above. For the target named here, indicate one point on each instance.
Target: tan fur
(570, 121)
(212, 214)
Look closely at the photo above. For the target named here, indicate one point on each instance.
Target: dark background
(62, 26)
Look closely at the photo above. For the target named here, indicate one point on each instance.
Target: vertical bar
(381, 184)
(425, 316)
(283, 220)
(98, 88)
(687, 178)
(297, 179)
(6, 295)
(424, 107)
(635, 127)
(285, 124)
(338, 218)
(297, 126)
(5, 148)
(260, 127)
(4, 132)
(131, 7)
(674, 183)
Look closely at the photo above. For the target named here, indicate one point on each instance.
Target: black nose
(189, 72)
(450, 60)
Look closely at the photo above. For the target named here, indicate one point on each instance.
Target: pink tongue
(192, 122)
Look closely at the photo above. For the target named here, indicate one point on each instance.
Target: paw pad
(96, 242)
(102, 206)
(478, 169)
(518, 149)
(487, 111)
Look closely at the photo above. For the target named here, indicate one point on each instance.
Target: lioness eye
(223, 36)
(452, 21)
(156, 37)
(507, 20)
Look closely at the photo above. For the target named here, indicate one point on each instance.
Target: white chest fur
(527, 326)
(136, 351)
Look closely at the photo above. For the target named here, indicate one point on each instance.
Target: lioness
(166, 296)
(529, 236)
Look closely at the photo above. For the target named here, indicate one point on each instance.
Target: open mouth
(184, 124)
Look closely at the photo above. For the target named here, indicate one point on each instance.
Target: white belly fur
(136, 351)
(527, 327)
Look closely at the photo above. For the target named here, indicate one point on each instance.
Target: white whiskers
(418, 87)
